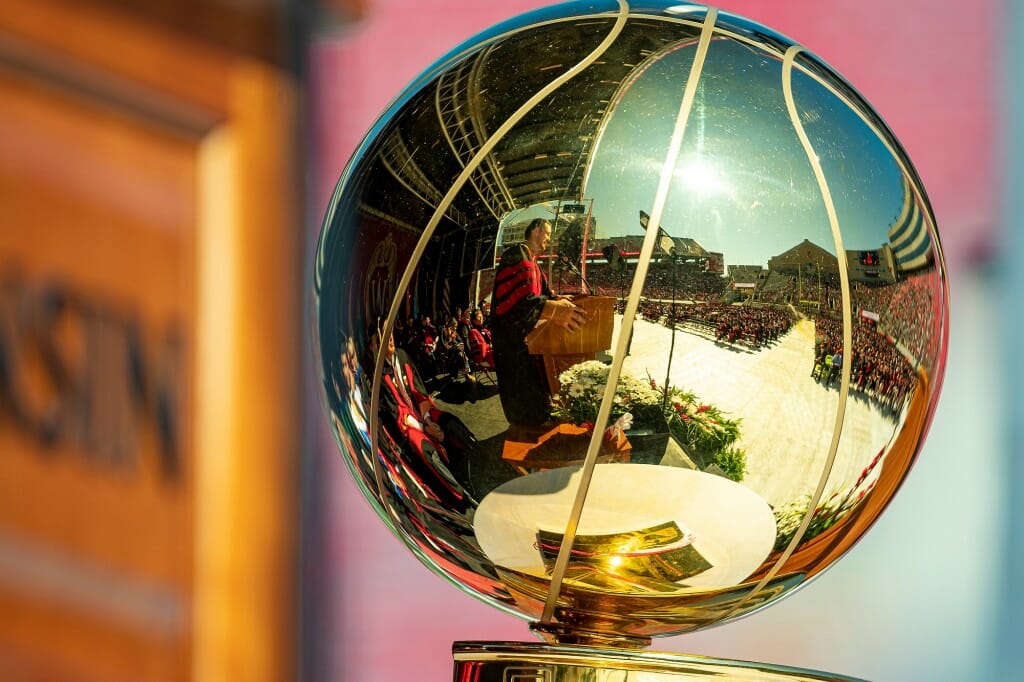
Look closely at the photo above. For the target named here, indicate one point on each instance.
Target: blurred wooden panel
(96, 257)
(256, 29)
(149, 323)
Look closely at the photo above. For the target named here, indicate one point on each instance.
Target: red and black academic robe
(520, 292)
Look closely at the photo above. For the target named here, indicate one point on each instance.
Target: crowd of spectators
(686, 283)
(878, 369)
(907, 309)
(911, 316)
(812, 292)
(455, 350)
(907, 312)
(753, 326)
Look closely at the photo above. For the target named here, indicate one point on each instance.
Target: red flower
(703, 408)
(589, 426)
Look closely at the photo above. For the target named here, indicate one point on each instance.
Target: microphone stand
(669, 251)
(576, 271)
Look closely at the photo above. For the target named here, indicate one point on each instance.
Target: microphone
(564, 260)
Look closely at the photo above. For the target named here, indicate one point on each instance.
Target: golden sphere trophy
(632, 318)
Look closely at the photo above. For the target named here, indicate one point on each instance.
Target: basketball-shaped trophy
(632, 318)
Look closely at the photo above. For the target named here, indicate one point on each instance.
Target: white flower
(576, 391)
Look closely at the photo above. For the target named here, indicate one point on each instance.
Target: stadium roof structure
(908, 235)
(544, 158)
(686, 247)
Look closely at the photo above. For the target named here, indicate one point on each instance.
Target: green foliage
(706, 432)
(828, 513)
(732, 461)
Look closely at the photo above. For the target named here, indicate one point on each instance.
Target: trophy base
(521, 662)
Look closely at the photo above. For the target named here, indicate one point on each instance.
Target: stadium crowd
(457, 351)
(690, 283)
(698, 301)
(878, 369)
(755, 327)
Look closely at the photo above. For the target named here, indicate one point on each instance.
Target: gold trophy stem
(521, 662)
(559, 633)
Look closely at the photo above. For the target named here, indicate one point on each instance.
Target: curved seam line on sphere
(646, 250)
(844, 281)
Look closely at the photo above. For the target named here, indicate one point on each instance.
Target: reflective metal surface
(497, 662)
(695, 392)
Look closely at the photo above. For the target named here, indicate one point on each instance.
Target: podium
(562, 349)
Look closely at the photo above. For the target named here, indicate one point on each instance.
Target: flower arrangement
(828, 513)
(703, 430)
(582, 386)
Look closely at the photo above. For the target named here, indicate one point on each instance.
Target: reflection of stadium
(777, 338)
(755, 348)
(804, 279)
(793, 303)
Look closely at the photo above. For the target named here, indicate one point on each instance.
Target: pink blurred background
(907, 603)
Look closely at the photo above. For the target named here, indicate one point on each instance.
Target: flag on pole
(665, 241)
